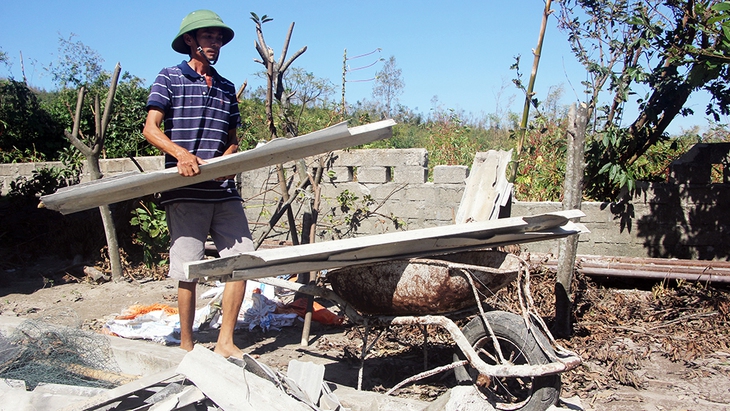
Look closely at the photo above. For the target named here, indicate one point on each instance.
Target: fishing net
(53, 349)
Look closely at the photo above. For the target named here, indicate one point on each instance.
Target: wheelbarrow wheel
(519, 346)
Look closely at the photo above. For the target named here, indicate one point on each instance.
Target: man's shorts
(190, 223)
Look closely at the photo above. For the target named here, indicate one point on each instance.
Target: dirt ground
(644, 347)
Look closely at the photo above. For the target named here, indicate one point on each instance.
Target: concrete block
(382, 157)
(114, 166)
(151, 163)
(4, 185)
(341, 174)
(425, 192)
(450, 174)
(372, 174)
(410, 174)
(392, 193)
(520, 208)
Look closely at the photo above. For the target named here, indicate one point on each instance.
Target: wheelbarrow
(511, 359)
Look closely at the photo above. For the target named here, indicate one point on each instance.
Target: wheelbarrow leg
(307, 321)
(424, 330)
(303, 278)
(363, 354)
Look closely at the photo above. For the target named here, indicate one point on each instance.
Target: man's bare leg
(232, 300)
(186, 309)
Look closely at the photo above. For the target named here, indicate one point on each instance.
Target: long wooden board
(136, 184)
(495, 241)
(351, 251)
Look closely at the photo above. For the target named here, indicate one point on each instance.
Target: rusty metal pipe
(653, 268)
(658, 268)
(674, 275)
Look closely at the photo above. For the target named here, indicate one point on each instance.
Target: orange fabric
(319, 313)
(137, 310)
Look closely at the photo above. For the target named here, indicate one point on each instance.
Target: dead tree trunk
(275, 89)
(572, 198)
(92, 153)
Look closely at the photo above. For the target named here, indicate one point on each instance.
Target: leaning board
(278, 151)
(401, 244)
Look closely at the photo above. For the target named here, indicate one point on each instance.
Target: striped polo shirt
(197, 118)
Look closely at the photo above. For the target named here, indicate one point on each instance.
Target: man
(200, 114)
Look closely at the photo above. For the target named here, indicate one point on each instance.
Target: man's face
(210, 39)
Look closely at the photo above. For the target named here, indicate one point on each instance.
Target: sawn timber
(389, 246)
(278, 151)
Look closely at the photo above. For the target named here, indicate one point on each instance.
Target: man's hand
(188, 164)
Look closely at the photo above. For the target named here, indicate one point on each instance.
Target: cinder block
(113, 166)
(425, 192)
(340, 174)
(4, 185)
(151, 163)
(450, 174)
(410, 174)
(372, 175)
(382, 157)
(394, 192)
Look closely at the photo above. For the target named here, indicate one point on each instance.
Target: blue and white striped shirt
(197, 118)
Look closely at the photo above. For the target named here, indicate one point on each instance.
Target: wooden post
(572, 197)
(537, 52)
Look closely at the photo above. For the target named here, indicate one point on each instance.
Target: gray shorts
(190, 223)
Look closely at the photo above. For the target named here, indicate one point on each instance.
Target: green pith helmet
(197, 20)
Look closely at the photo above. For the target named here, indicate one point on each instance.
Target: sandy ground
(699, 385)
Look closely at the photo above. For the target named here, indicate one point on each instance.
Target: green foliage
(388, 86)
(449, 140)
(33, 122)
(28, 131)
(153, 234)
(253, 123)
(124, 135)
(263, 19)
(672, 49)
(354, 211)
(78, 64)
(45, 180)
(542, 164)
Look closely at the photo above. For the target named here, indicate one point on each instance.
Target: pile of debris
(618, 322)
(205, 379)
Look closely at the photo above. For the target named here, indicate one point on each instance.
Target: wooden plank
(496, 241)
(486, 188)
(134, 185)
(123, 391)
(231, 387)
(384, 246)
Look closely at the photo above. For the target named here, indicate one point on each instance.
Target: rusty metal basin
(423, 286)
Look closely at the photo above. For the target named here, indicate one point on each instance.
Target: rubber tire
(541, 392)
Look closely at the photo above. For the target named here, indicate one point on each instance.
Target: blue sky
(459, 52)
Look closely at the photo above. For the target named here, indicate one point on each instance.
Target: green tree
(310, 106)
(77, 65)
(124, 135)
(388, 86)
(27, 131)
(670, 48)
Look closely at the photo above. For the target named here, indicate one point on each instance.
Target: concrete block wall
(664, 220)
(11, 172)
(386, 182)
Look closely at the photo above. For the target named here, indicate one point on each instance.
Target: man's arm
(232, 142)
(187, 163)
